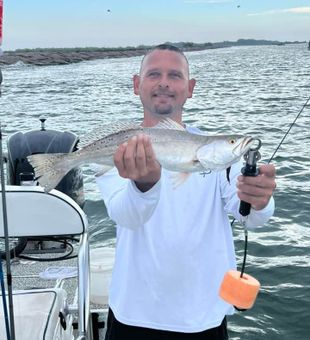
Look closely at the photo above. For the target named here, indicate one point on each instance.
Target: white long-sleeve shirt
(174, 246)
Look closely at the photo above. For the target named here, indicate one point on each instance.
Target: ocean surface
(254, 90)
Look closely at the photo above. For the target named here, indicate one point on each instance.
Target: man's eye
(175, 75)
(153, 74)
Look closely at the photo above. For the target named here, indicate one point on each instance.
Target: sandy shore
(61, 58)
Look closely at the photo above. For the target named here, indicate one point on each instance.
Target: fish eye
(232, 141)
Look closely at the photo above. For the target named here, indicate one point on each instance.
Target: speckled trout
(175, 148)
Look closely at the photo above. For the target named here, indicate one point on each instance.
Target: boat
(53, 288)
(57, 292)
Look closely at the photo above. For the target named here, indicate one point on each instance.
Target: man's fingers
(254, 190)
(136, 160)
(130, 156)
(125, 158)
(265, 179)
(119, 159)
(260, 181)
(140, 156)
(257, 190)
(149, 153)
(257, 202)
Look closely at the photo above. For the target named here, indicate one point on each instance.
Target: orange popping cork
(241, 292)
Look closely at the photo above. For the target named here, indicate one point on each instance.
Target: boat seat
(33, 212)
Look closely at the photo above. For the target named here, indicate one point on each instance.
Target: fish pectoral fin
(179, 178)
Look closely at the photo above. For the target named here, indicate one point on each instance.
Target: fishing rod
(238, 288)
(289, 129)
(251, 160)
(9, 331)
(1, 24)
(11, 334)
(4, 304)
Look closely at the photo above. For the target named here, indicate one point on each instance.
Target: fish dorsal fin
(168, 123)
(105, 130)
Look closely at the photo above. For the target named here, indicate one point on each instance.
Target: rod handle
(247, 170)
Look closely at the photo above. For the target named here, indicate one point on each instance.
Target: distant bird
(238, 6)
(109, 10)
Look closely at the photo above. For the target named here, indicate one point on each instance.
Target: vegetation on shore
(182, 45)
(62, 56)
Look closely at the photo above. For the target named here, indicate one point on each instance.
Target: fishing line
(289, 129)
(7, 250)
(271, 158)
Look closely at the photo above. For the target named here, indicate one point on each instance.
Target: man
(174, 245)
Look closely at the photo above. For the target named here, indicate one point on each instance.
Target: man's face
(163, 84)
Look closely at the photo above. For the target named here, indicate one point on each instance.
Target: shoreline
(62, 56)
(50, 57)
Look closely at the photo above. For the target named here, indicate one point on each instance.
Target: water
(257, 90)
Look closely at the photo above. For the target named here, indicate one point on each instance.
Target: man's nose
(163, 82)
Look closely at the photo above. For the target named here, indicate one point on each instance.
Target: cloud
(296, 10)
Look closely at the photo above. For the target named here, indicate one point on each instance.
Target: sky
(122, 23)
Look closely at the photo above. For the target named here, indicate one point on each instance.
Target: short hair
(167, 47)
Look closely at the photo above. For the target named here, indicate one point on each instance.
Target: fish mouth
(244, 146)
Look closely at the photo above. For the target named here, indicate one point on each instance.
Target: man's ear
(136, 84)
(191, 85)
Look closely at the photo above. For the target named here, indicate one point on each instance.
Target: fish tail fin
(49, 168)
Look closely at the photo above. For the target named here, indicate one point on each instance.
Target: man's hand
(257, 190)
(136, 160)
